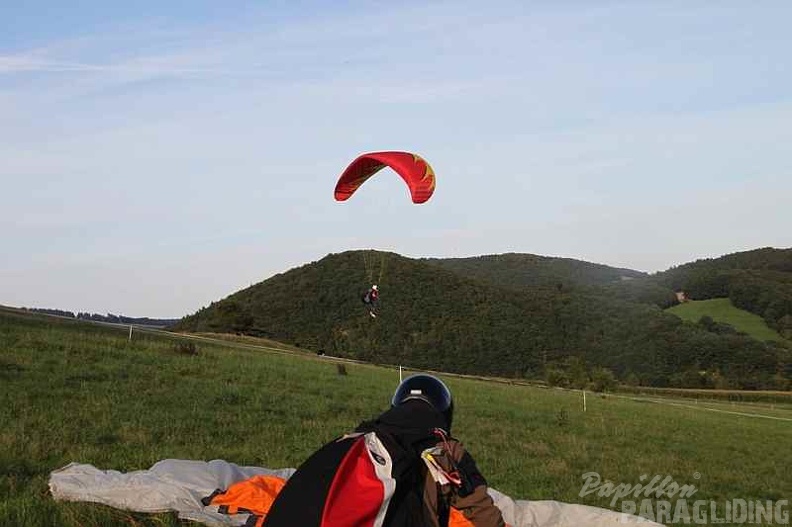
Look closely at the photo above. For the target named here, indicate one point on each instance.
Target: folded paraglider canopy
(181, 485)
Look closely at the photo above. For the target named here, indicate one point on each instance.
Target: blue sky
(157, 156)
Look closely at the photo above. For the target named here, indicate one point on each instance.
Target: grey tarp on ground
(178, 485)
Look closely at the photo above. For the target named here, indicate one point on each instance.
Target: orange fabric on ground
(253, 495)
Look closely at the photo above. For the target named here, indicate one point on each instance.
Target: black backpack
(360, 478)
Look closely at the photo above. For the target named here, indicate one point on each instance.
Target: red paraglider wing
(416, 172)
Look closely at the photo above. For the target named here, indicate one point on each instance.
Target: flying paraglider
(420, 179)
(413, 169)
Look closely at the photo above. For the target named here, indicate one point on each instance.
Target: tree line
(109, 317)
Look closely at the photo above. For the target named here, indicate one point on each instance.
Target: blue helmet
(427, 388)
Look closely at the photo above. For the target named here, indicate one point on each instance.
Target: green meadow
(73, 391)
(722, 310)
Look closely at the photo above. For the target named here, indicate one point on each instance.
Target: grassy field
(722, 310)
(71, 391)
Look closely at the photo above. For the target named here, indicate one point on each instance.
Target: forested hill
(529, 272)
(516, 271)
(432, 317)
(759, 281)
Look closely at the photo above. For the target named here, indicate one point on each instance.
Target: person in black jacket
(401, 469)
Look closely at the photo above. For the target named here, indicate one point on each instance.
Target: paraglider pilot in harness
(401, 469)
(371, 299)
